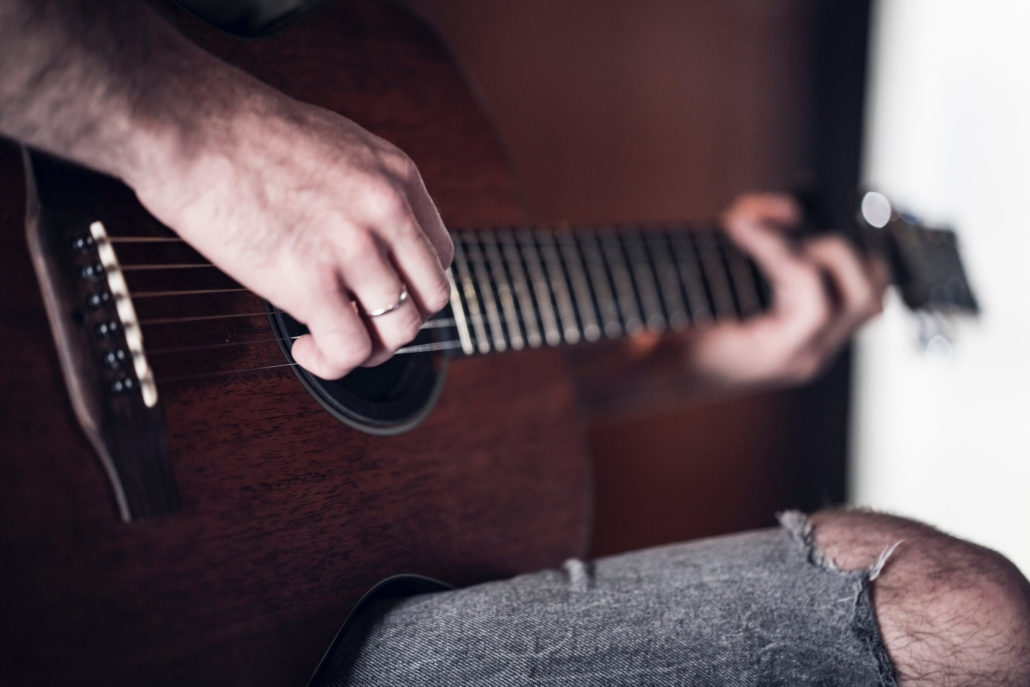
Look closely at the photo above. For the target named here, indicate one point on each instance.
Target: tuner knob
(123, 384)
(876, 209)
(115, 358)
(92, 272)
(98, 300)
(81, 244)
(106, 329)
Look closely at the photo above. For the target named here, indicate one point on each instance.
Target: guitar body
(287, 515)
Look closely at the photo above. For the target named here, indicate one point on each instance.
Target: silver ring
(390, 308)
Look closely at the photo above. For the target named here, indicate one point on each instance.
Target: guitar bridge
(98, 338)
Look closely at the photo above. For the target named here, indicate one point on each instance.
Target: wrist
(195, 118)
(231, 133)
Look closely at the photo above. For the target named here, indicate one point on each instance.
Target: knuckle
(867, 302)
(385, 201)
(815, 306)
(447, 255)
(806, 271)
(405, 168)
(356, 351)
(826, 243)
(397, 164)
(402, 232)
(323, 282)
(342, 359)
(438, 296)
(822, 312)
(361, 245)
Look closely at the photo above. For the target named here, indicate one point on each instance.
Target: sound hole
(389, 399)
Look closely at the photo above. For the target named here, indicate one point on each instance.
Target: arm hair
(100, 82)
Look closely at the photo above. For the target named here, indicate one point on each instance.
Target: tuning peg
(876, 210)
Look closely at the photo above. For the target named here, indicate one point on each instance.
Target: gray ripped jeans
(760, 608)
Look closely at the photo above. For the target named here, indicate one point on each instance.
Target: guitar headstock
(925, 262)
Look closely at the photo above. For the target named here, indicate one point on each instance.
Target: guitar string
(186, 378)
(486, 235)
(431, 324)
(452, 344)
(146, 267)
(407, 350)
(608, 228)
(225, 316)
(415, 348)
(145, 239)
(199, 318)
(154, 267)
(188, 292)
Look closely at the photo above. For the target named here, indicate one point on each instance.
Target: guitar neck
(517, 288)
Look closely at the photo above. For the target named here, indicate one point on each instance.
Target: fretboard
(518, 288)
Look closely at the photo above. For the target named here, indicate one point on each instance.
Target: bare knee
(950, 612)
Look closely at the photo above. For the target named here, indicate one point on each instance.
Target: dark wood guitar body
(287, 515)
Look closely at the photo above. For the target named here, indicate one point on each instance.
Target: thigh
(759, 608)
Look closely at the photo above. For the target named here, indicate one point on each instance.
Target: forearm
(298, 204)
(110, 85)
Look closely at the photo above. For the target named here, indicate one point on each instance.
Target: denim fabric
(761, 608)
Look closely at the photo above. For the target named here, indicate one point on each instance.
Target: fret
(522, 290)
(590, 248)
(741, 278)
(715, 274)
(689, 267)
(529, 287)
(486, 292)
(643, 275)
(566, 311)
(459, 316)
(471, 299)
(624, 292)
(764, 289)
(500, 278)
(668, 279)
(580, 286)
(540, 287)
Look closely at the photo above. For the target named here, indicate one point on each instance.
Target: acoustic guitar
(182, 504)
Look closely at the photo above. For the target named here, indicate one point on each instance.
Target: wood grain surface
(288, 515)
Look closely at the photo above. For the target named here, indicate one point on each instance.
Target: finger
(429, 220)
(372, 280)
(422, 207)
(417, 265)
(338, 341)
(417, 259)
(774, 210)
(774, 253)
(401, 326)
(880, 274)
(856, 295)
(801, 308)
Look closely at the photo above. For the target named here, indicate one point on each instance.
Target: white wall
(947, 440)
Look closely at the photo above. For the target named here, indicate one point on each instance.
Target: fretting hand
(823, 291)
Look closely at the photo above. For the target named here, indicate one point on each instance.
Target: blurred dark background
(663, 109)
